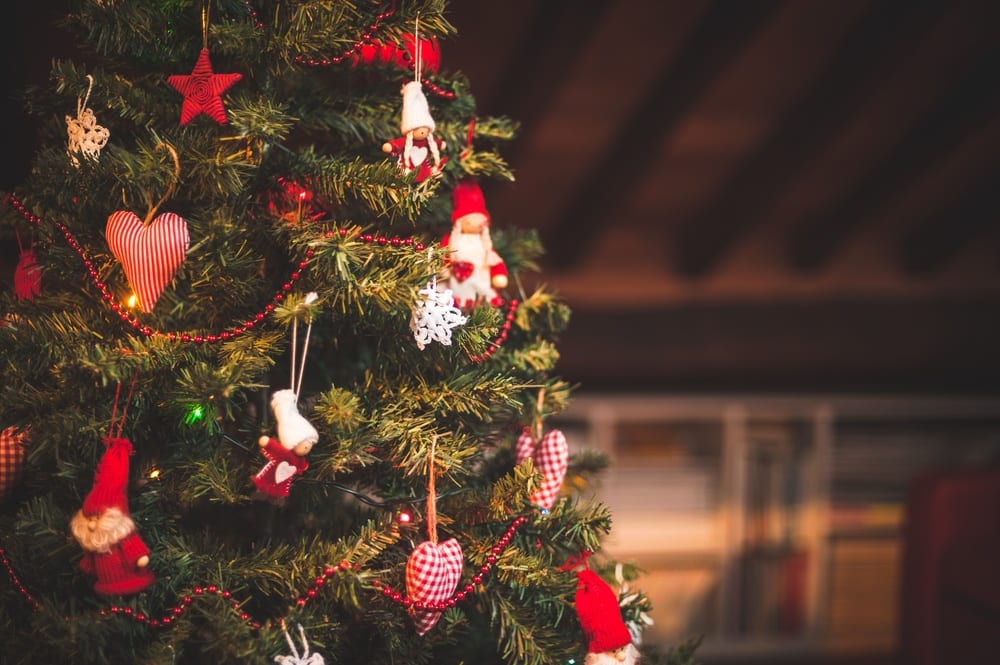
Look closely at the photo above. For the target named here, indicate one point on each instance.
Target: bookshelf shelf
(761, 520)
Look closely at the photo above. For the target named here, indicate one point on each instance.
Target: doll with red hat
(417, 150)
(474, 270)
(112, 550)
(609, 641)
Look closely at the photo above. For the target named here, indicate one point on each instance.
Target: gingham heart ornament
(151, 254)
(551, 457)
(11, 459)
(432, 575)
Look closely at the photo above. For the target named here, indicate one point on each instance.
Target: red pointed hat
(599, 614)
(466, 199)
(110, 480)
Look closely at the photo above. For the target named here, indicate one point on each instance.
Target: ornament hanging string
(114, 408)
(80, 106)
(416, 48)
(170, 188)
(468, 139)
(577, 560)
(296, 385)
(431, 497)
(204, 24)
(537, 430)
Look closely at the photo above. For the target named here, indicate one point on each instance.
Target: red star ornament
(202, 90)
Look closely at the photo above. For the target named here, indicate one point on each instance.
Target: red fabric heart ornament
(461, 270)
(11, 459)
(550, 457)
(150, 254)
(432, 574)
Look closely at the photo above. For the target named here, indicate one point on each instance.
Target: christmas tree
(275, 382)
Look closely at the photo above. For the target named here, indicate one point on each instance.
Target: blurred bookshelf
(772, 525)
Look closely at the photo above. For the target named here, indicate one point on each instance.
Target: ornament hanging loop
(431, 496)
(416, 48)
(204, 24)
(153, 208)
(537, 422)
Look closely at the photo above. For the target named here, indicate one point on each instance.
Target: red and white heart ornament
(11, 459)
(550, 456)
(150, 250)
(433, 569)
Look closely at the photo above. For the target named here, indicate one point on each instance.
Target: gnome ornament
(417, 151)
(609, 641)
(474, 270)
(112, 549)
(286, 455)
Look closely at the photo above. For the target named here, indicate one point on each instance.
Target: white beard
(112, 527)
(469, 247)
(627, 655)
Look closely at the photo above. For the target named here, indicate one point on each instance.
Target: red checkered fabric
(432, 575)
(551, 457)
(11, 459)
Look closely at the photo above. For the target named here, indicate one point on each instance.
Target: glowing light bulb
(404, 517)
(195, 414)
(154, 474)
(132, 301)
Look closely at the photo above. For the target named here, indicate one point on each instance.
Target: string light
(132, 301)
(195, 414)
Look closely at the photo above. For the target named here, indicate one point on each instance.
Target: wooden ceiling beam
(864, 58)
(930, 243)
(719, 36)
(963, 108)
(544, 57)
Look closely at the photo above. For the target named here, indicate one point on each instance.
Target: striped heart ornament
(150, 254)
(550, 457)
(432, 574)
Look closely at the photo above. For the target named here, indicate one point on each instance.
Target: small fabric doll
(113, 551)
(286, 455)
(474, 270)
(417, 150)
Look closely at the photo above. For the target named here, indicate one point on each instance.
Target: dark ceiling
(793, 195)
(755, 194)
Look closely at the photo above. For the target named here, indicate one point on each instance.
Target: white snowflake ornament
(85, 135)
(434, 317)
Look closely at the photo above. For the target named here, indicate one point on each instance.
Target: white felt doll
(417, 150)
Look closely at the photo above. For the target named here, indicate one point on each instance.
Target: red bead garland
(501, 338)
(171, 616)
(365, 38)
(17, 581)
(135, 323)
(249, 324)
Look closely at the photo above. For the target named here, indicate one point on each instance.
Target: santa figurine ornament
(608, 639)
(417, 151)
(474, 270)
(112, 549)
